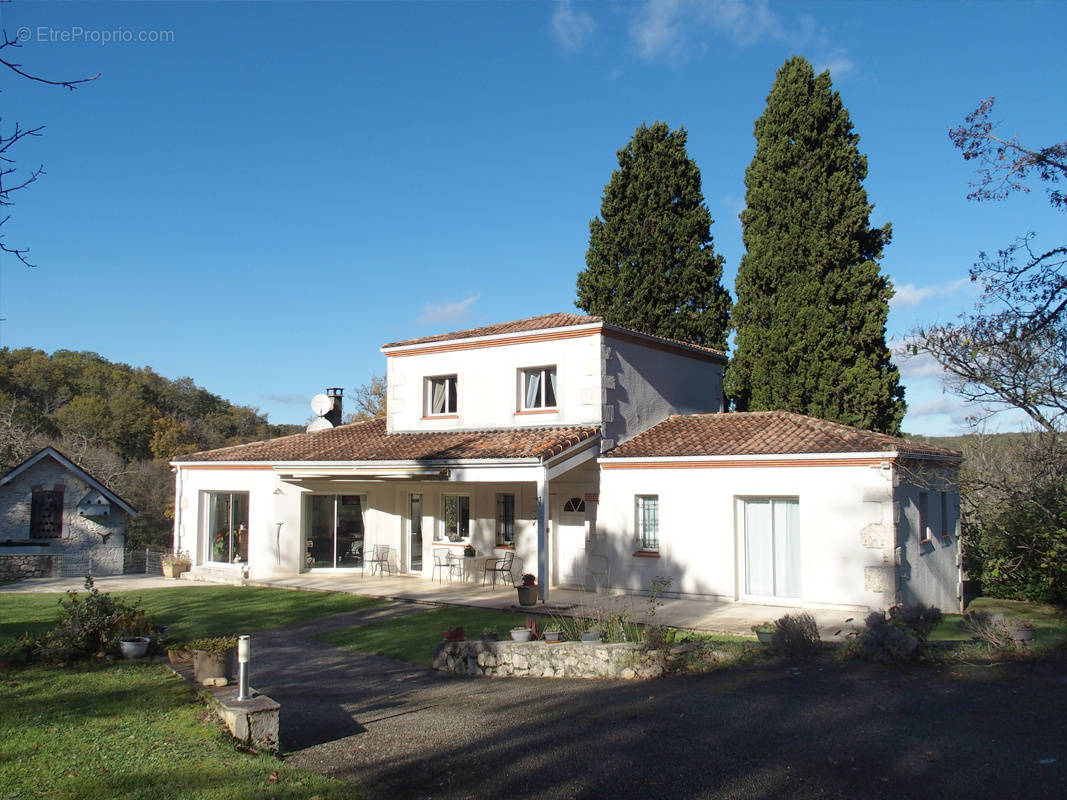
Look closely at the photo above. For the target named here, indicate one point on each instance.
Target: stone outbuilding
(57, 519)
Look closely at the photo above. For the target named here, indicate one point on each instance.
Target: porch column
(543, 560)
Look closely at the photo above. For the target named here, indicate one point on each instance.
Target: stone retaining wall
(548, 660)
(25, 565)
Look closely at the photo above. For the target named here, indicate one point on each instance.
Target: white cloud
(291, 399)
(908, 294)
(573, 29)
(943, 405)
(673, 29)
(838, 63)
(434, 313)
(914, 366)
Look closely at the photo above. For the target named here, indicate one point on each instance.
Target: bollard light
(244, 648)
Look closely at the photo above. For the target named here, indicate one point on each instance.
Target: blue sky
(258, 195)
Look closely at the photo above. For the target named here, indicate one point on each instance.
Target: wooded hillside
(121, 423)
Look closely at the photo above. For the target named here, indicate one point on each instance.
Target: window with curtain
(648, 522)
(505, 520)
(442, 395)
(538, 388)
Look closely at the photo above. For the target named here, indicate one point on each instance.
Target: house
(599, 457)
(57, 519)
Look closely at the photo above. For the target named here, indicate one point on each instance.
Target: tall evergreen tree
(811, 302)
(651, 264)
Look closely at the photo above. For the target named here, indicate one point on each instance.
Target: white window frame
(539, 403)
(441, 530)
(450, 397)
(643, 539)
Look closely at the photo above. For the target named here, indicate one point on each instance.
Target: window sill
(441, 416)
(503, 547)
(536, 411)
(447, 543)
(646, 554)
(926, 541)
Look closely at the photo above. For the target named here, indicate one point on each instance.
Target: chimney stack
(336, 413)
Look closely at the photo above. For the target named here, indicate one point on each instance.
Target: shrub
(918, 620)
(93, 625)
(884, 643)
(796, 636)
(992, 629)
(213, 644)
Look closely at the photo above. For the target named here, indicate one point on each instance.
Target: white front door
(570, 540)
(772, 547)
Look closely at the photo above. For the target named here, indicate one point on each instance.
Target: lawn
(190, 611)
(412, 638)
(1050, 623)
(128, 730)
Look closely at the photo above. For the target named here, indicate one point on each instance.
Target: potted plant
(592, 637)
(213, 657)
(553, 635)
(174, 564)
(764, 632)
(469, 551)
(521, 634)
(455, 634)
(490, 635)
(1022, 631)
(528, 590)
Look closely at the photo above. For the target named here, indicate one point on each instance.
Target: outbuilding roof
(763, 433)
(369, 441)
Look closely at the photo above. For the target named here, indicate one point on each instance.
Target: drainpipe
(178, 510)
(542, 535)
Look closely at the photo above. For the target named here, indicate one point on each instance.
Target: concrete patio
(693, 614)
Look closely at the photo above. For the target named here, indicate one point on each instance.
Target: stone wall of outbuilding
(540, 659)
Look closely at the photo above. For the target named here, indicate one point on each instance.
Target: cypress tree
(811, 301)
(651, 265)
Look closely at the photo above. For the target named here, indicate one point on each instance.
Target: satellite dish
(319, 424)
(321, 404)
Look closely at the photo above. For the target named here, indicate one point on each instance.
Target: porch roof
(369, 441)
(767, 433)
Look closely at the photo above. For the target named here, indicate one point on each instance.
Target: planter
(521, 634)
(490, 637)
(527, 595)
(134, 646)
(212, 666)
(553, 636)
(591, 637)
(175, 570)
(1022, 635)
(765, 637)
(455, 635)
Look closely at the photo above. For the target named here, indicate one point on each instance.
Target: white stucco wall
(929, 560)
(702, 529)
(645, 384)
(488, 385)
(277, 516)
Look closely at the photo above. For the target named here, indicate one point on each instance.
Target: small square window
(442, 397)
(538, 388)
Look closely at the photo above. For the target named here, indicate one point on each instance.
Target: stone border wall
(25, 565)
(548, 660)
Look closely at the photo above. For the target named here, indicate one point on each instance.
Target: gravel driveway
(808, 731)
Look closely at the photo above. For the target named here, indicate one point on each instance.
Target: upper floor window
(538, 388)
(442, 395)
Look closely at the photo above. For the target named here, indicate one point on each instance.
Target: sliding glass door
(772, 547)
(335, 530)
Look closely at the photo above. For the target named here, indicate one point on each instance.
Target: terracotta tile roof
(544, 322)
(368, 441)
(761, 433)
(517, 326)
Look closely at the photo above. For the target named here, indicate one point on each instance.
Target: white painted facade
(848, 519)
